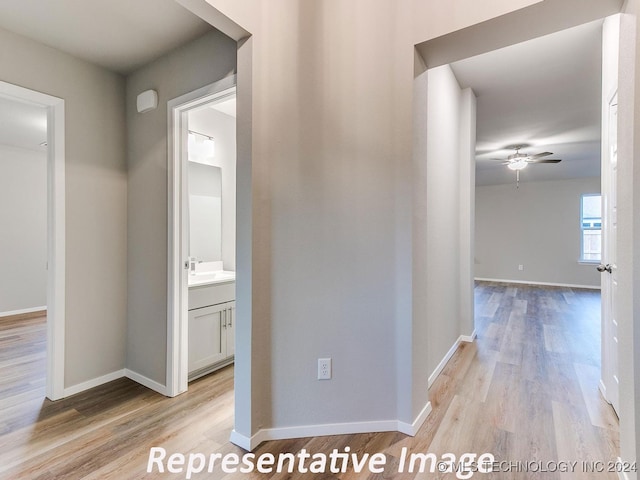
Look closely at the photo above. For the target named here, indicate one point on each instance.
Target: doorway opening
(527, 220)
(42, 259)
(542, 209)
(530, 335)
(202, 152)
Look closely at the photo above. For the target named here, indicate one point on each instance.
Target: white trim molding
(56, 280)
(244, 442)
(438, 370)
(110, 377)
(94, 382)
(177, 235)
(543, 284)
(303, 431)
(468, 338)
(411, 429)
(268, 434)
(443, 363)
(147, 382)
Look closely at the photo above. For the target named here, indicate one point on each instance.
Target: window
(591, 228)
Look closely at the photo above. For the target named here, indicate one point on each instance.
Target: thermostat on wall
(147, 100)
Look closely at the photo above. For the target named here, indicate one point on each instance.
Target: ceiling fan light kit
(518, 164)
(519, 161)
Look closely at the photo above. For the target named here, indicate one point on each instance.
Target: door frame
(55, 230)
(178, 239)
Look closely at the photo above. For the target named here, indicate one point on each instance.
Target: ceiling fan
(518, 161)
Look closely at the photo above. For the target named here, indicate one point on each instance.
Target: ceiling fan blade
(540, 155)
(545, 160)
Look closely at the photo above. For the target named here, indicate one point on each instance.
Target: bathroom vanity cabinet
(211, 327)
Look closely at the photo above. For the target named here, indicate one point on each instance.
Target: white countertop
(209, 278)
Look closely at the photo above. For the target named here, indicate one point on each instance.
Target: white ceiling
(119, 35)
(22, 125)
(544, 93)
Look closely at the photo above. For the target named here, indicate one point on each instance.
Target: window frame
(583, 229)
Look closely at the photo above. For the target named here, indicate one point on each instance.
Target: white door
(608, 268)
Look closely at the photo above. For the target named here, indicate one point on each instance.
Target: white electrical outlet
(521, 267)
(324, 369)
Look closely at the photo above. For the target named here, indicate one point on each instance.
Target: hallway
(526, 391)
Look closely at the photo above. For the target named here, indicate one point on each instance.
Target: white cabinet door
(207, 339)
(231, 328)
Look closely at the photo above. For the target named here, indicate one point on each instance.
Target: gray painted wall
(415, 360)
(23, 216)
(450, 115)
(537, 226)
(96, 198)
(327, 200)
(201, 62)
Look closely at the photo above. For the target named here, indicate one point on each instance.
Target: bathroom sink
(205, 278)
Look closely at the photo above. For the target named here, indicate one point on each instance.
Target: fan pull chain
(517, 178)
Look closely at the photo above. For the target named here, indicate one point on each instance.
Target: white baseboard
(443, 363)
(469, 338)
(23, 311)
(411, 429)
(94, 382)
(322, 430)
(462, 338)
(544, 284)
(109, 377)
(248, 443)
(303, 431)
(147, 382)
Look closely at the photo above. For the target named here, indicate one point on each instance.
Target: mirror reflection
(205, 212)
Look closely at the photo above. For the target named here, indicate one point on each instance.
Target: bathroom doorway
(202, 216)
(32, 247)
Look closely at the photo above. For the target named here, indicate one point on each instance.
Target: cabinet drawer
(206, 295)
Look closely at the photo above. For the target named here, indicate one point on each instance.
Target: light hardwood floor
(525, 391)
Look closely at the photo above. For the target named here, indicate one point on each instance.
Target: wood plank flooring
(526, 391)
